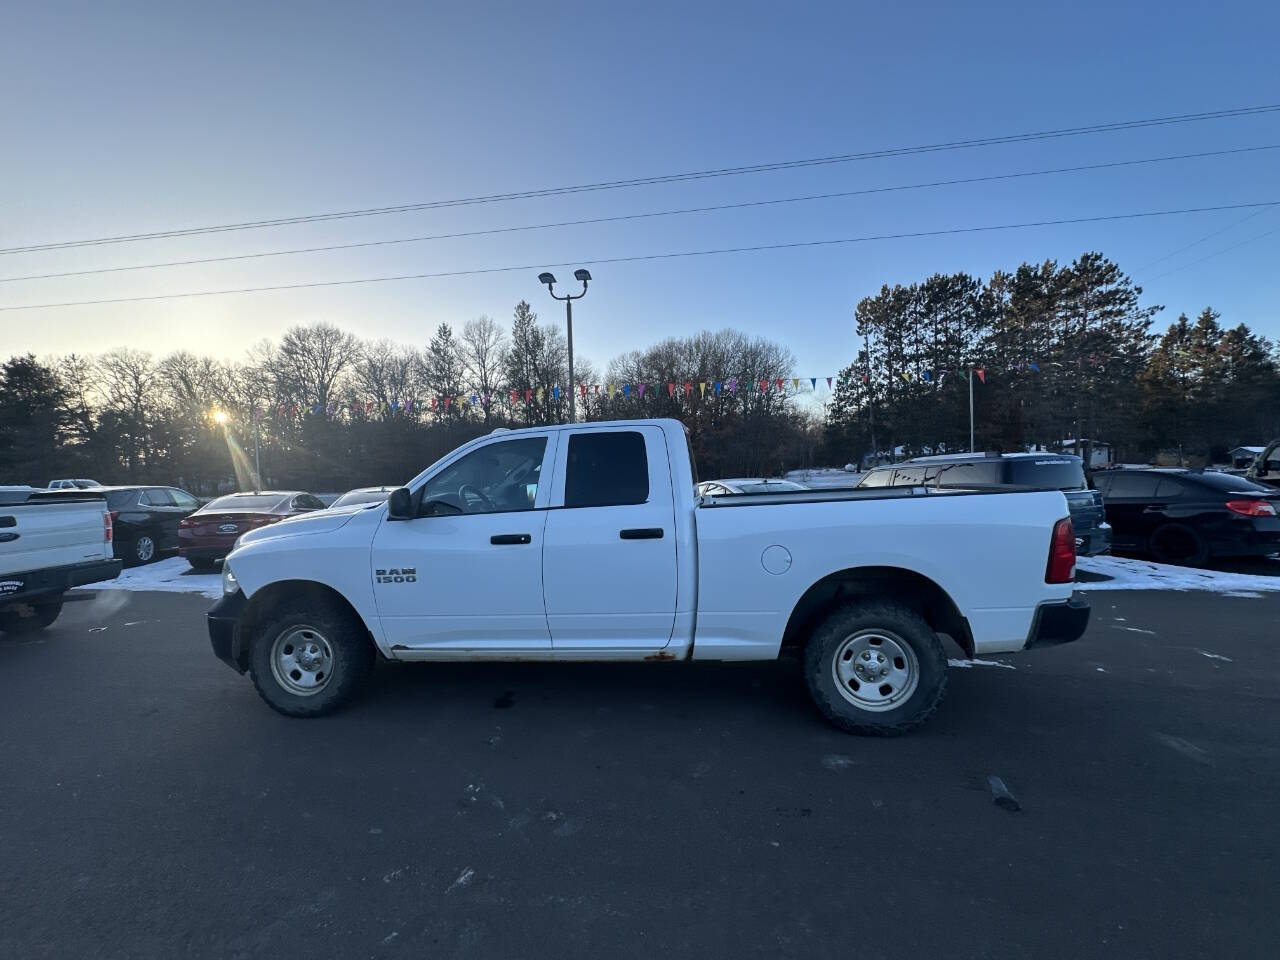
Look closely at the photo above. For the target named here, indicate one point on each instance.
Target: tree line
(1052, 352)
(323, 410)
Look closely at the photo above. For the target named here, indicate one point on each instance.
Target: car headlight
(230, 584)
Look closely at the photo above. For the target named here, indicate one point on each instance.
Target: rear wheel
(42, 615)
(141, 550)
(202, 564)
(1178, 544)
(309, 660)
(876, 667)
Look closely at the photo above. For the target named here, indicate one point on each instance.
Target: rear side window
(959, 474)
(1140, 486)
(305, 501)
(183, 499)
(156, 498)
(119, 499)
(606, 469)
(1169, 488)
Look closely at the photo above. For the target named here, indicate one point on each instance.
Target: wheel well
(261, 605)
(906, 586)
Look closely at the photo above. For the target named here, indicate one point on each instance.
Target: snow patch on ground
(172, 575)
(965, 664)
(1125, 573)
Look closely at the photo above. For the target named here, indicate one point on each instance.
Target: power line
(642, 216)
(1195, 243)
(1217, 253)
(643, 257)
(665, 178)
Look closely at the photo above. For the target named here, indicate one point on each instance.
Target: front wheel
(310, 659)
(42, 615)
(875, 667)
(202, 564)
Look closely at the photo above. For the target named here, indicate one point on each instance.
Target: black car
(145, 520)
(1036, 471)
(1186, 516)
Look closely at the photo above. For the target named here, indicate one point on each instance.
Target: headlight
(229, 582)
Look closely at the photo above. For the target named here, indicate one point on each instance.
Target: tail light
(1252, 508)
(108, 524)
(1062, 553)
(185, 523)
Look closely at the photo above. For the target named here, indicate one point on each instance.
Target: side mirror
(400, 504)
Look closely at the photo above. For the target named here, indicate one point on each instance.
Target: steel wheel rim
(875, 670)
(302, 660)
(145, 549)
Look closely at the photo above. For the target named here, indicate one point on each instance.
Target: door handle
(502, 539)
(9, 537)
(641, 533)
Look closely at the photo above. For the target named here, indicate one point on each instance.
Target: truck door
(609, 563)
(466, 574)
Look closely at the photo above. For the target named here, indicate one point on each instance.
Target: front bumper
(224, 631)
(34, 584)
(1060, 621)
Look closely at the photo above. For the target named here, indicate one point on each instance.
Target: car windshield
(1230, 483)
(244, 502)
(1049, 473)
(362, 496)
(766, 486)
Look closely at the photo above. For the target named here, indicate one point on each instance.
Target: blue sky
(123, 118)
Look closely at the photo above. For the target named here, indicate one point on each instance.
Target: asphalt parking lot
(152, 806)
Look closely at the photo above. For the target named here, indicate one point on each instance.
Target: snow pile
(172, 575)
(1124, 573)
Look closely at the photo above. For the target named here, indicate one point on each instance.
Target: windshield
(1050, 473)
(361, 496)
(262, 502)
(768, 486)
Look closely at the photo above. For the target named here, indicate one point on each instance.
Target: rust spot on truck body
(661, 655)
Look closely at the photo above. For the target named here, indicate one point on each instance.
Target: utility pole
(568, 299)
(257, 460)
(971, 445)
(871, 399)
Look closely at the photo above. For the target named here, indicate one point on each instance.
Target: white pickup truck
(586, 542)
(50, 541)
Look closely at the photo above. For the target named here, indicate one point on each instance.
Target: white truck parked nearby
(586, 542)
(50, 541)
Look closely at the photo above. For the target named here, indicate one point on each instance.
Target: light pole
(568, 299)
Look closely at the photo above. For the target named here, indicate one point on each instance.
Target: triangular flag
(447, 401)
(795, 383)
(780, 381)
(582, 389)
(671, 389)
(640, 388)
(928, 376)
(702, 388)
(982, 375)
(528, 394)
(1035, 367)
(866, 378)
(828, 383)
(539, 394)
(609, 389)
(555, 393)
(906, 376)
(716, 386)
(688, 388)
(733, 384)
(764, 386)
(626, 389)
(813, 382)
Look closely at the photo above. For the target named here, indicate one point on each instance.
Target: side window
(1139, 486)
(908, 477)
(183, 499)
(606, 469)
(305, 501)
(1168, 488)
(495, 478)
(156, 498)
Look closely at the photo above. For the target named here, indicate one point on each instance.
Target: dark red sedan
(208, 535)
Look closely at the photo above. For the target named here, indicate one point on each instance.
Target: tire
(202, 564)
(867, 637)
(1178, 544)
(142, 550)
(322, 648)
(13, 623)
